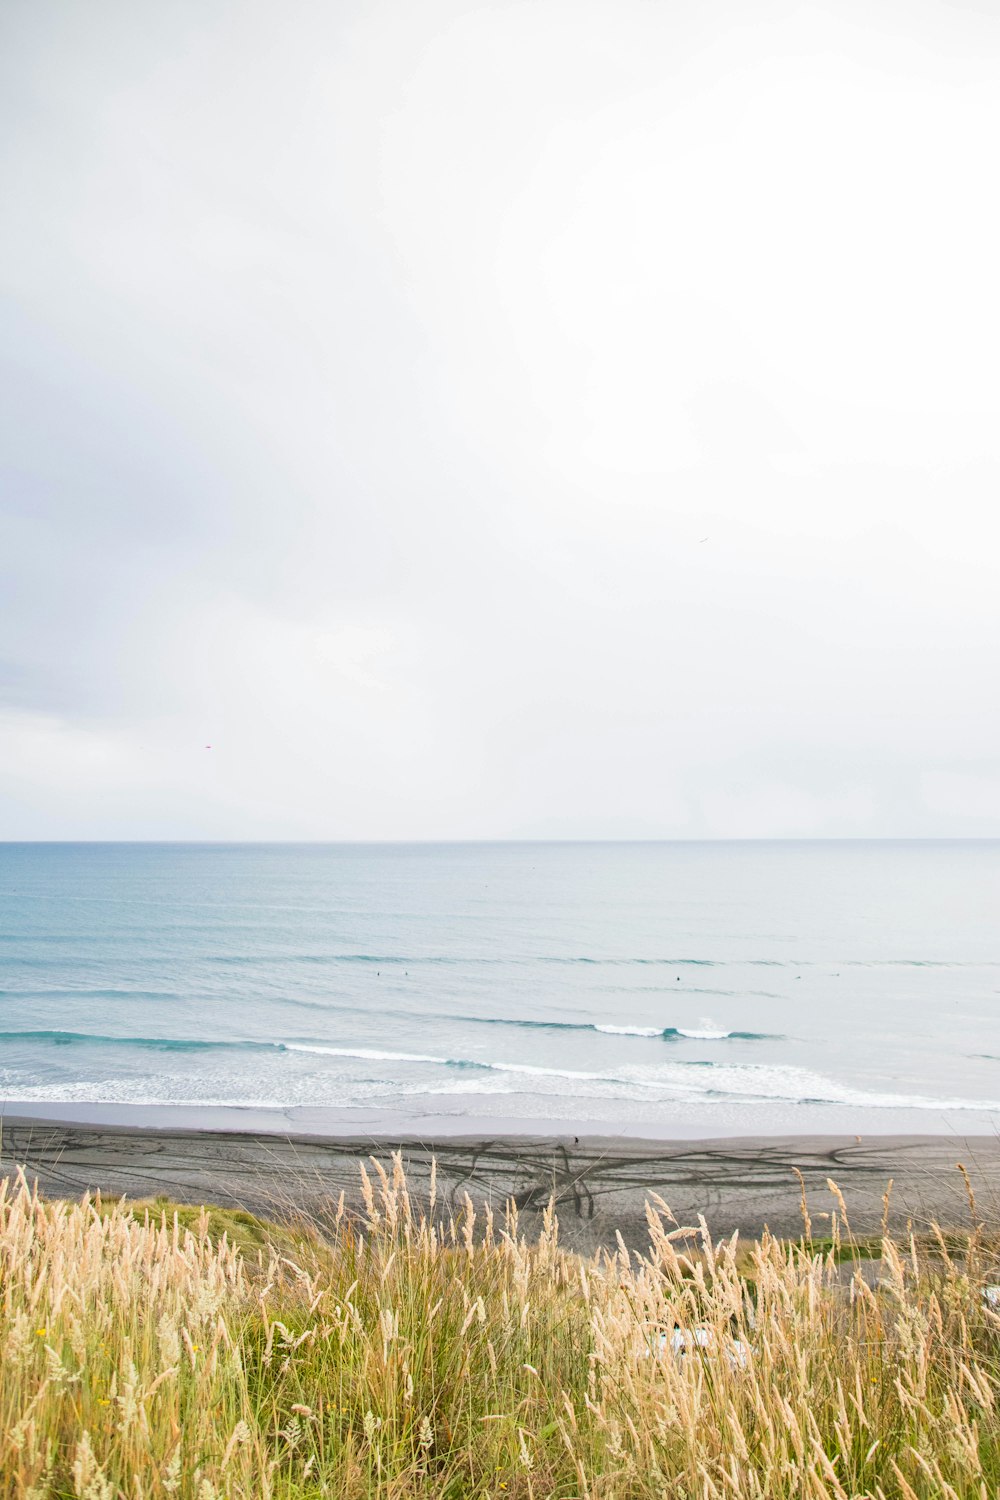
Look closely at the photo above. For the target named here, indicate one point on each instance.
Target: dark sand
(600, 1184)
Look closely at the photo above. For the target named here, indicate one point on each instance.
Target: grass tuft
(152, 1350)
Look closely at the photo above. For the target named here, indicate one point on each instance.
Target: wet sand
(600, 1184)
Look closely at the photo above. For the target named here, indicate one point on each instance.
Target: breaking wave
(699, 1081)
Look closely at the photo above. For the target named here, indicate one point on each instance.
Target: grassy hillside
(152, 1352)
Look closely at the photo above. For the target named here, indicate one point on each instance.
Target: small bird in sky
(702, 539)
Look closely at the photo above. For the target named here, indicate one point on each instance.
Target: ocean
(655, 989)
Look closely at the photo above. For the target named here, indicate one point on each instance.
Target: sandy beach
(600, 1184)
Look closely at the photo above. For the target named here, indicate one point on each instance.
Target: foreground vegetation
(144, 1355)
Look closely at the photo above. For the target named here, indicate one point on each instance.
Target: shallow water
(849, 984)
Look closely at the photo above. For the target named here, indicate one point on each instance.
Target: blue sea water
(688, 988)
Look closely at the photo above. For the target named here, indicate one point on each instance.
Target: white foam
(532, 1070)
(367, 1054)
(749, 1083)
(705, 1084)
(631, 1030)
(137, 1091)
(708, 1031)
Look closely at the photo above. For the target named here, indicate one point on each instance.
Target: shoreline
(442, 1115)
(600, 1182)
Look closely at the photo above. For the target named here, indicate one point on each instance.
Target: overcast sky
(571, 418)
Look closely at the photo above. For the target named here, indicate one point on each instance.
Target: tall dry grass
(405, 1356)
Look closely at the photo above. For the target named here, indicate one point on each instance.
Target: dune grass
(153, 1351)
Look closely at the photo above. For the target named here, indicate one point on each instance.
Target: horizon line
(440, 842)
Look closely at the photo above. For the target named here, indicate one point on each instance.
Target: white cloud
(972, 800)
(478, 420)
